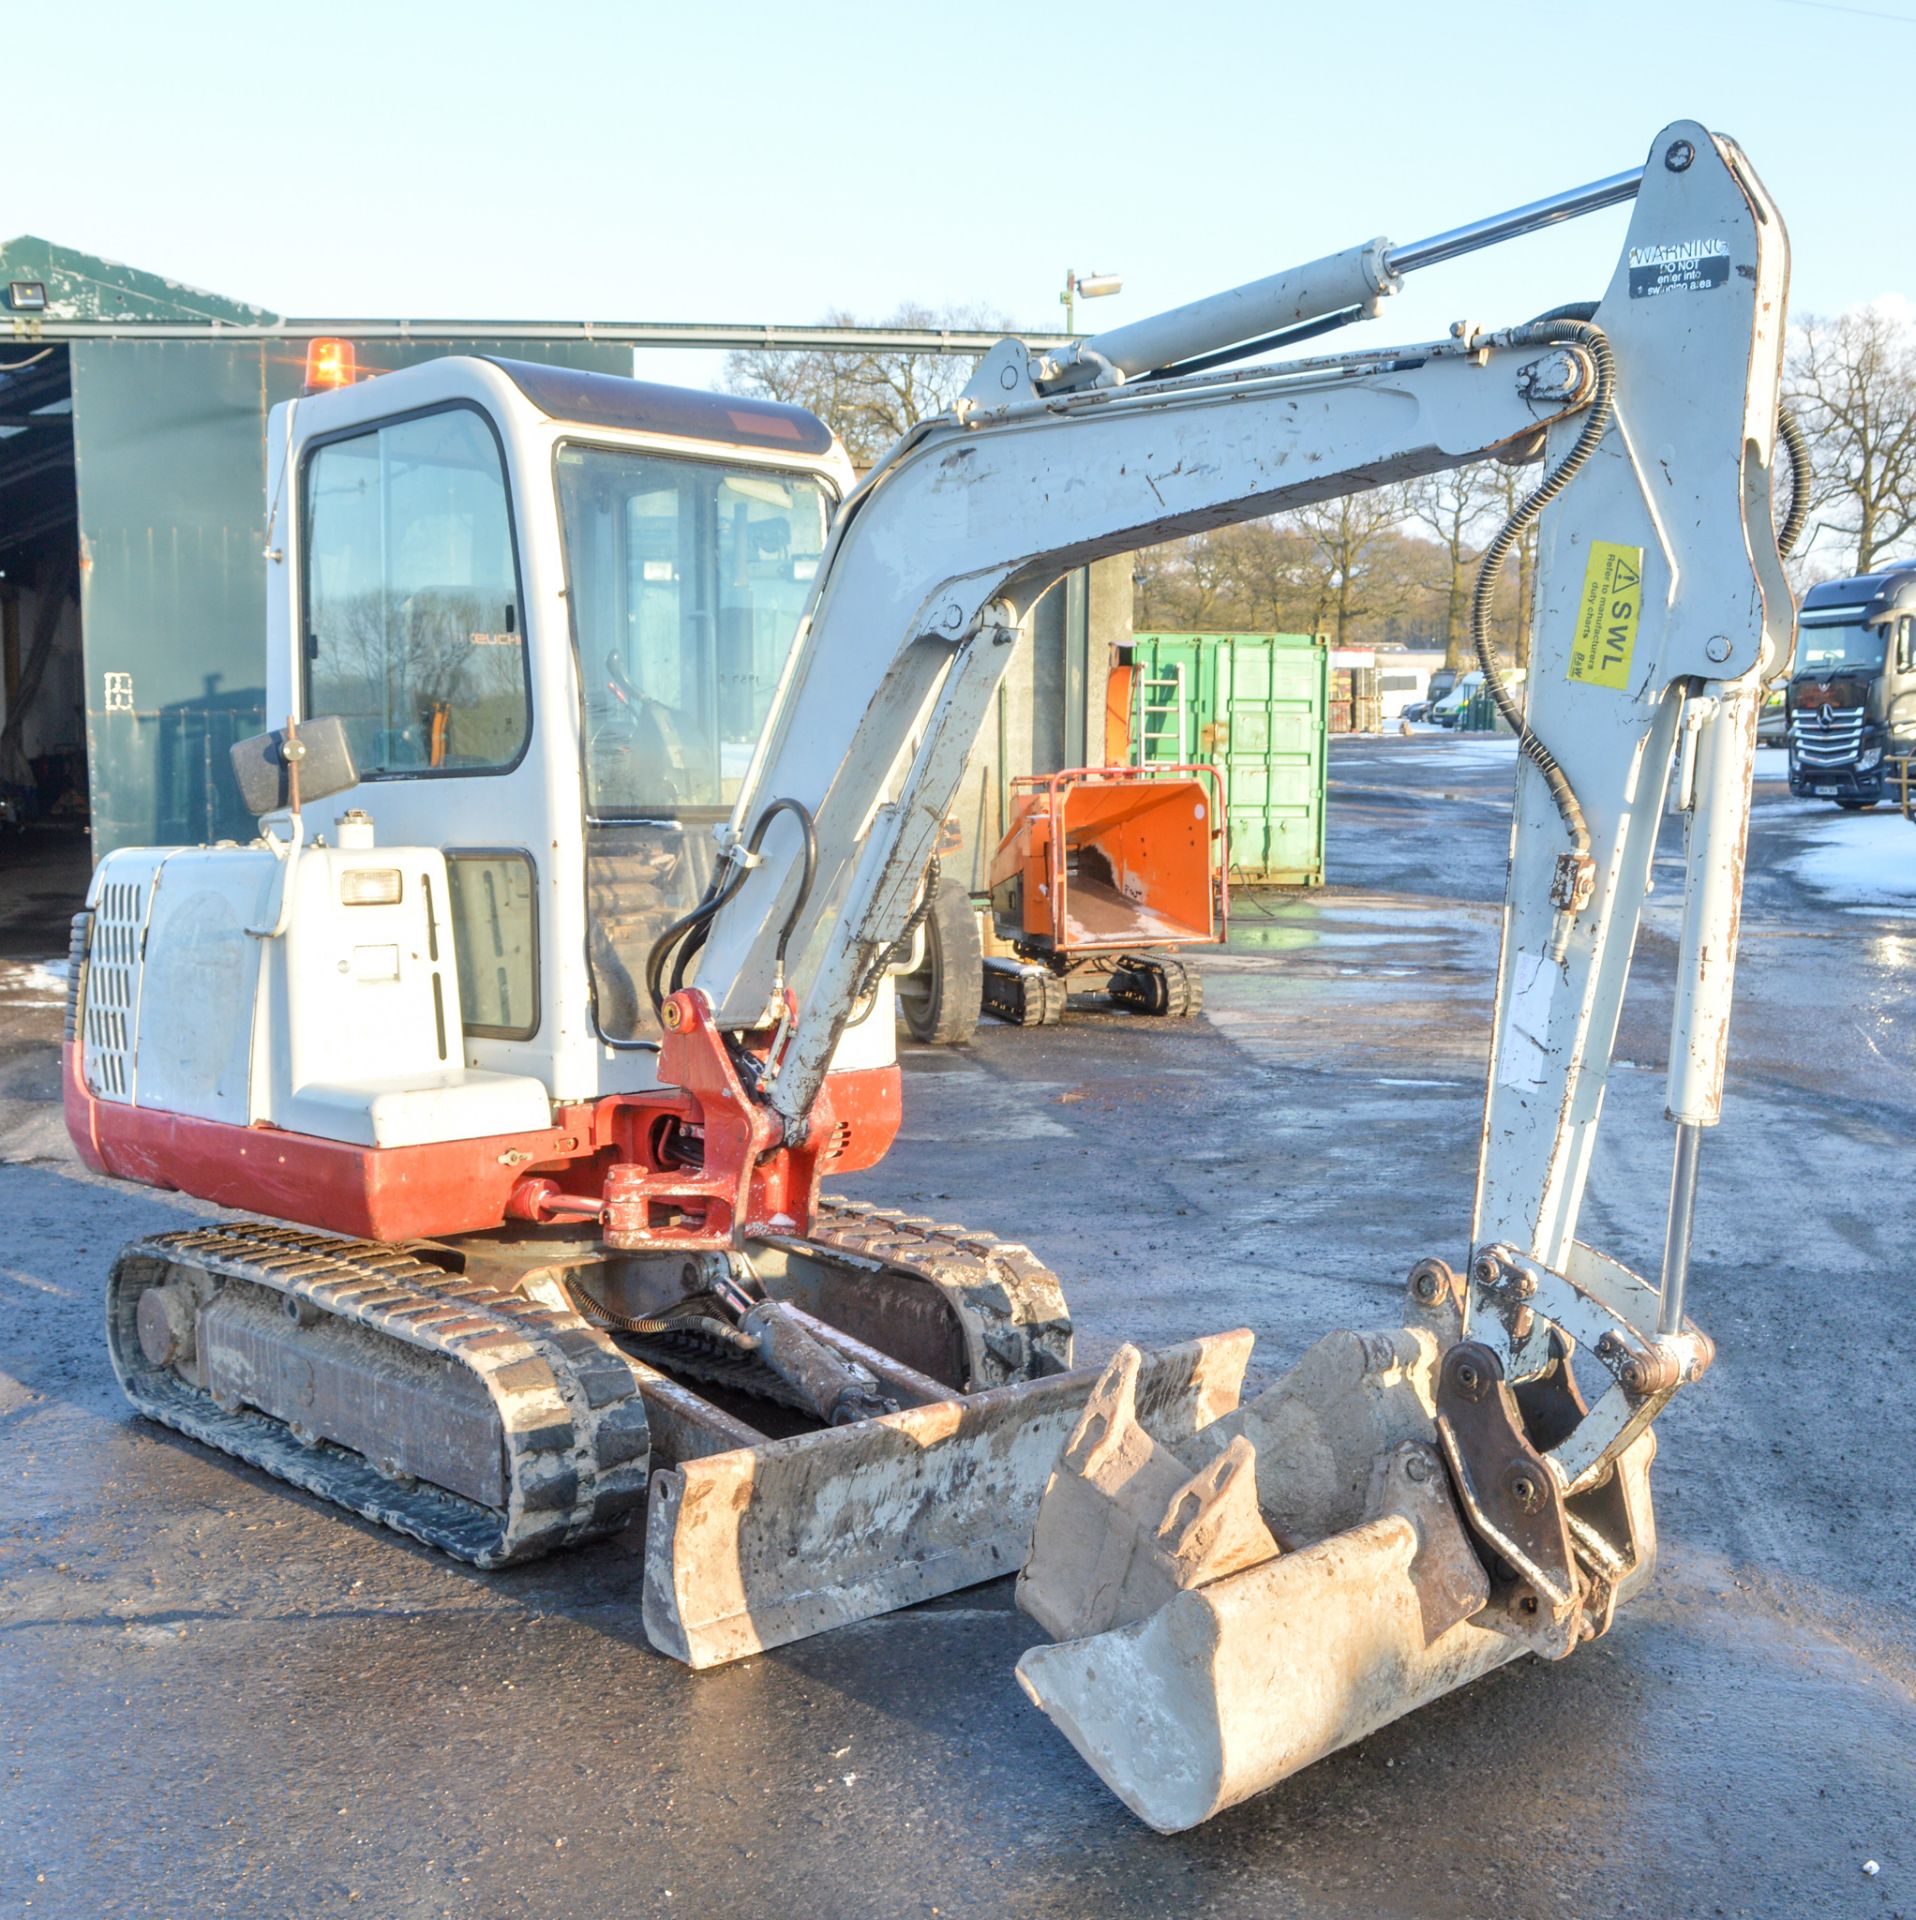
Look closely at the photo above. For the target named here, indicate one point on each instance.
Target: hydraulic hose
(679, 944)
(807, 873)
(1596, 422)
(655, 1326)
(662, 948)
(902, 945)
(695, 939)
(1797, 443)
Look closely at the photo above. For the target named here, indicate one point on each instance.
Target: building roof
(83, 286)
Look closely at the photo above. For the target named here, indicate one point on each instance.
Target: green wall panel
(170, 458)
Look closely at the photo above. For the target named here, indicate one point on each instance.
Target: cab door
(411, 627)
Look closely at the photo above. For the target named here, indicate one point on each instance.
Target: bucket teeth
(1213, 1527)
(1319, 1432)
(1107, 1445)
(1128, 1521)
(1125, 1524)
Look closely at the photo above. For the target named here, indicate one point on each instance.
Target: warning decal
(1607, 618)
(1681, 266)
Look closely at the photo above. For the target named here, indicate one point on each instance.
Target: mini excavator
(529, 1061)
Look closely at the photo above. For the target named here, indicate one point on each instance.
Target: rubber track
(1009, 1303)
(1025, 995)
(570, 1416)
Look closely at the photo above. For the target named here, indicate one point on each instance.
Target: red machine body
(686, 1166)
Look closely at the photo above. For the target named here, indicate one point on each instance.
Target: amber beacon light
(329, 364)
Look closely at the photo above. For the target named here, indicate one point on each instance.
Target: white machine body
(349, 1023)
(347, 1026)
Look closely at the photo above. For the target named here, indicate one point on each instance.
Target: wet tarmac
(219, 1698)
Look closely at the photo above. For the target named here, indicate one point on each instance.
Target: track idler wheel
(1168, 989)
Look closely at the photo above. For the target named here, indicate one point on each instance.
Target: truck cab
(1852, 692)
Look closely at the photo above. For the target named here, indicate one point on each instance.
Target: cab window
(413, 629)
(686, 580)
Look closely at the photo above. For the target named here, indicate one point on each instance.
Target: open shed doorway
(43, 770)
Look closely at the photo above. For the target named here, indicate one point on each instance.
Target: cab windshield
(686, 580)
(1846, 643)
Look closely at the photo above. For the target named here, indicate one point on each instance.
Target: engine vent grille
(78, 935)
(112, 988)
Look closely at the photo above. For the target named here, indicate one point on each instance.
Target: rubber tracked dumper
(1108, 871)
(638, 725)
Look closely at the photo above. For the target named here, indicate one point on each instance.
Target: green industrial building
(133, 418)
(132, 507)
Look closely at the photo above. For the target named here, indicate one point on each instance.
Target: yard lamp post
(1088, 286)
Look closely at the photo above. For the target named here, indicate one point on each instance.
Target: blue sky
(743, 160)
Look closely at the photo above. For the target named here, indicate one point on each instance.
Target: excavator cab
(551, 608)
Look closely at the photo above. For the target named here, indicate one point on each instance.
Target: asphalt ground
(218, 1697)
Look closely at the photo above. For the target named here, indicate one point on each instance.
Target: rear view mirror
(264, 771)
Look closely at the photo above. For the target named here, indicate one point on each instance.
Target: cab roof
(1858, 589)
(641, 406)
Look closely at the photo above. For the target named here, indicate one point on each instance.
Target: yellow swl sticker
(1607, 619)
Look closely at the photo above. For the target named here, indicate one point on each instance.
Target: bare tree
(1852, 381)
(1343, 535)
(1258, 577)
(866, 397)
(1453, 507)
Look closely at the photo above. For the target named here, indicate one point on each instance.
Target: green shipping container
(1256, 705)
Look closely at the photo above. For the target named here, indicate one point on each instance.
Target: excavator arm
(1233, 1608)
(1477, 1504)
(1660, 608)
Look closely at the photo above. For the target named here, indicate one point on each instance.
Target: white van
(1449, 711)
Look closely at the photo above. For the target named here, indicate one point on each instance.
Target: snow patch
(1865, 858)
(1483, 750)
(34, 983)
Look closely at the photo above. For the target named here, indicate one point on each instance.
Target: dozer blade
(752, 1548)
(1212, 1645)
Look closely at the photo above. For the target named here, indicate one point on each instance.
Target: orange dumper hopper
(1103, 870)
